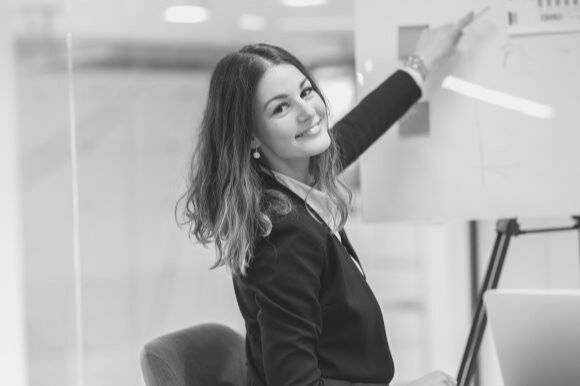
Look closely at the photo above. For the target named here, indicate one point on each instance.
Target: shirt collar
(318, 200)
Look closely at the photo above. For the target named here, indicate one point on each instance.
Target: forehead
(279, 79)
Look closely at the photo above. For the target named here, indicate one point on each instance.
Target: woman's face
(291, 124)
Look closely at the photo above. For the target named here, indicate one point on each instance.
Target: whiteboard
(475, 160)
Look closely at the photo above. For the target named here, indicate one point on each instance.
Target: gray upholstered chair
(203, 355)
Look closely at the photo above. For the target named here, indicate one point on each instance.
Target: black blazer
(311, 317)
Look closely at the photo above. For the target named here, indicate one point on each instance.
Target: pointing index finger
(470, 17)
(465, 21)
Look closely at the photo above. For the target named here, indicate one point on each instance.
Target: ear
(255, 142)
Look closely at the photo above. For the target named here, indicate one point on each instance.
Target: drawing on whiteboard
(502, 135)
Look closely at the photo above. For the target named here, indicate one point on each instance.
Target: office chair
(202, 355)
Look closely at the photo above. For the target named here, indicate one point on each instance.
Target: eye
(280, 108)
(307, 91)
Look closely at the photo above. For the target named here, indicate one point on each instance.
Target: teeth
(309, 131)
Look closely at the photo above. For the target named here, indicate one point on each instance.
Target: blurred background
(101, 103)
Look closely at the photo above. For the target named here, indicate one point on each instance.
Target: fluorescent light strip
(251, 22)
(498, 98)
(303, 3)
(186, 14)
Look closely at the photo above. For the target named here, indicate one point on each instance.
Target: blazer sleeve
(285, 276)
(374, 115)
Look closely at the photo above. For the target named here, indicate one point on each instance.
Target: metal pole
(474, 274)
(505, 230)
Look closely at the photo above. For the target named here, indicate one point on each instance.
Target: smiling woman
(261, 100)
(274, 217)
(264, 187)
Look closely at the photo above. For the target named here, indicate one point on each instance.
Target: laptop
(537, 336)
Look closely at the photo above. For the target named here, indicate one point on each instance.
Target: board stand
(505, 228)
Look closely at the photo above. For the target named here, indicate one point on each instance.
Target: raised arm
(374, 115)
(379, 110)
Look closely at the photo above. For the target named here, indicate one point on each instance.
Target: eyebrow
(284, 95)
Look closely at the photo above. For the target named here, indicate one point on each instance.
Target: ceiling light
(498, 98)
(186, 14)
(303, 3)
(252, 22)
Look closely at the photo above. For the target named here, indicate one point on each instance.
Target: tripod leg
(505, 229)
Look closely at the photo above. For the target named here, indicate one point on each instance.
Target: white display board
(543, 16)
(459, 156)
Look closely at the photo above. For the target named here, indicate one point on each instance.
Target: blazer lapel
(349, 248)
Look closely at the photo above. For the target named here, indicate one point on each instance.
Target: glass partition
(142, 277)
(42, 104)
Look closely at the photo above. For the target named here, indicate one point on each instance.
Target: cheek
(320, 107)
(275, 134)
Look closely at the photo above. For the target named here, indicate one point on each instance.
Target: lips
(309, 130)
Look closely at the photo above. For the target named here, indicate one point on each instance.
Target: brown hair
(225, 202)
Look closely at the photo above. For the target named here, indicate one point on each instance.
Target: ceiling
(134, 32)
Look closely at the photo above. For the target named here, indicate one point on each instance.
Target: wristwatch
(416, 63)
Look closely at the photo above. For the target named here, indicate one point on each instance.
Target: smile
(312, 130)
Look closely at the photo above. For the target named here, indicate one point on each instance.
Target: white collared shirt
(318, 201)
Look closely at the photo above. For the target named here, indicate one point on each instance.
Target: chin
(322, 146)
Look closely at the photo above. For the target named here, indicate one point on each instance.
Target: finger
(451, 380)
(447, 382)
(482, 12)
(464, 21)
(447, 379)
(457, 37)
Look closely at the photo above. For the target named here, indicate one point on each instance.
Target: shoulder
(298, 223)
(295, 247)
(293, 233)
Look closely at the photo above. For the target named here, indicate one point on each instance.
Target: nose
(306, 111)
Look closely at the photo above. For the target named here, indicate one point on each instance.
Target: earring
(256, 154)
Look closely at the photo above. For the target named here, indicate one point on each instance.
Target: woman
(263, 187)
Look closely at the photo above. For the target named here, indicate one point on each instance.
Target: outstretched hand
(437, 44)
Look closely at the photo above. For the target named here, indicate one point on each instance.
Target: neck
(297, 170)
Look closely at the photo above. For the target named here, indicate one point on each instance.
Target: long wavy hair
(225, 202)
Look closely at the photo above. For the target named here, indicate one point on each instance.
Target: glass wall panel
(138, 104)
(141, 275)
(42, 104)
